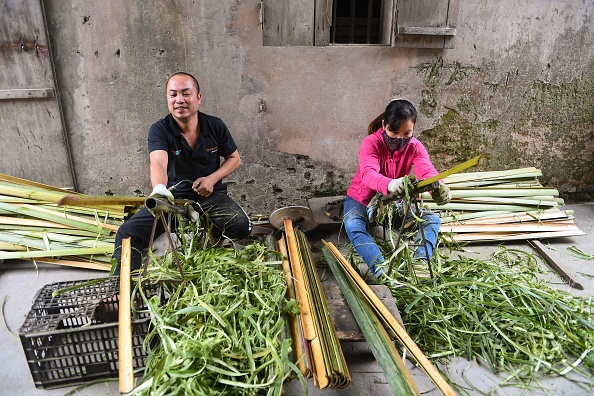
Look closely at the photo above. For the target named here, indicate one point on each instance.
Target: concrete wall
(518, 87)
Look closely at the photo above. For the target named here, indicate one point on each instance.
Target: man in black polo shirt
(185, 150)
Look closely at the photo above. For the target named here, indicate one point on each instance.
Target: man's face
(183, 98)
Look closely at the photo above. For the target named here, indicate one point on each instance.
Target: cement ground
(20, 281)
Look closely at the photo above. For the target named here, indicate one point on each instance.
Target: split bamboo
(33, 227)
(390, 321)
(328, 365)
(501, 205)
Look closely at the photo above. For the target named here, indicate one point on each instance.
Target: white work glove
(160, 191)
(396, 188)
(442, 194)
(372, 208)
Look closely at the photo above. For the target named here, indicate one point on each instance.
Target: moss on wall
(513, 123)
(455, 139)
(565, 111)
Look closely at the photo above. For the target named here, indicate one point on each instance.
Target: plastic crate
(72, 338)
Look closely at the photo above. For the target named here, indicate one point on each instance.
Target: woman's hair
(397, 111)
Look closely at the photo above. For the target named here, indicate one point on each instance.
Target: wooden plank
(422, 12)
(37, 93)
(288, 23)
(430, 31)
(323, 17)
(417, 14)
(387, 21)
(38, 146)
(540, 248)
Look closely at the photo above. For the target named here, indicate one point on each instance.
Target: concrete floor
(20, 281)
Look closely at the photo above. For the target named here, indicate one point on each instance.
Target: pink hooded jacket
(378, 166)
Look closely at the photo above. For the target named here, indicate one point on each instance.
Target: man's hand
(160, 191)
(442, 194)
(203, 186)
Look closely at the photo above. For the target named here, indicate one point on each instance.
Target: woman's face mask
(397, 143)
(399, 138)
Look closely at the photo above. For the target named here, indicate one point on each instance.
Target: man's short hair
(185, 74)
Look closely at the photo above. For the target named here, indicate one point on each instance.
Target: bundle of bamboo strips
(33, 227)
(317, 346)
(502, 205)
(372, 315)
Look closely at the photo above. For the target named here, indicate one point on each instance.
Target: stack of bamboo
(502, 205)
(317, 349)
(372, 315)
(33, 227)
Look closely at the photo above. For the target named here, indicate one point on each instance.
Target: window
(401, 23)
(356, 22)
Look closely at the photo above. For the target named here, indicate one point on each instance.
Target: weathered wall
(518, 87)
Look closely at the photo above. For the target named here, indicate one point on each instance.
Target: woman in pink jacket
(386, 155)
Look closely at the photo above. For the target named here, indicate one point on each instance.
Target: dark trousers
(228, 218)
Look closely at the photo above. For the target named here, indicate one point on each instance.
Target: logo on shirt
(212, 149)
(176, 152)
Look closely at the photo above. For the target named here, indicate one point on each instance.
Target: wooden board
(347, 328)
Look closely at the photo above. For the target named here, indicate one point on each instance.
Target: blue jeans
(356, 225)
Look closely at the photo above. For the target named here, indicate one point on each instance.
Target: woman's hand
(442, 194)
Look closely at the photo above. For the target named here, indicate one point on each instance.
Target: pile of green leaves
(496, 310)
(221, 329)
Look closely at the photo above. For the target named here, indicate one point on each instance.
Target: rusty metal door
(34, 141)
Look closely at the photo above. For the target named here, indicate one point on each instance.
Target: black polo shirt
(214, 142)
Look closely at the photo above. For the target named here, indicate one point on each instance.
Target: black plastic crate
(72, 338)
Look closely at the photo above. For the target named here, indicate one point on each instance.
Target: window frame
(404, 23)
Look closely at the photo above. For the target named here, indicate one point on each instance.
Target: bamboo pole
(334, 363)
(511, 228)
(125, 363)
(300, 289)
(293, 324)
(492, 236)
(307, 320)
(389, 319)
(71, 217)
(59, 218)
(31, 222)
(99, 200)
(398, 377)
(30, 183)
(519, 218)
(76, 264)
(524, 173)
(55, 253)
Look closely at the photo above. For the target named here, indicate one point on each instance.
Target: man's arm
(204, 185)
(158, 167)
